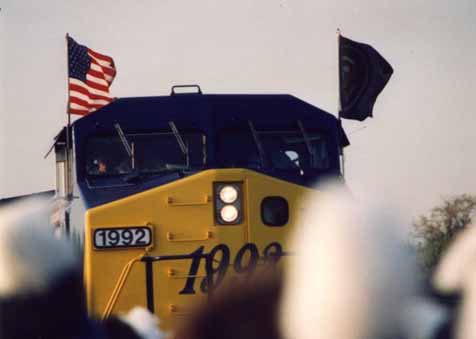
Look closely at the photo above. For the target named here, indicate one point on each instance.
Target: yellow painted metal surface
(181, 215)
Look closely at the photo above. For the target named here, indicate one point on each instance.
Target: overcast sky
(418, 148)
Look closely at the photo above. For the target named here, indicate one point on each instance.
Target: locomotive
(166, 197)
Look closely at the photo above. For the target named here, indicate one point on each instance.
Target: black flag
(363, 74)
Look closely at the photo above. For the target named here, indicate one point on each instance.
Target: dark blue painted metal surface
(208, 113)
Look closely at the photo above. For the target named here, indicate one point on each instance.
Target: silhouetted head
(247, 309)
(352, 275)
(455, 279)
(41, 292)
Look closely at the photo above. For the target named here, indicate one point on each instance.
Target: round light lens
(228, 194)
(229, 213)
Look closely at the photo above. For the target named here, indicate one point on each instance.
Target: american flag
(90, 75)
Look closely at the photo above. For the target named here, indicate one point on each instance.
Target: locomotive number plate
(122, 237)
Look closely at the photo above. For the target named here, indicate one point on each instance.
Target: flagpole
(339, 102)
(338, 73)
(67, 181)
(68, 129)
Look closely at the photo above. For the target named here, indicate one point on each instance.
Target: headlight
(228, 194)
(229, 213)
(228, 202)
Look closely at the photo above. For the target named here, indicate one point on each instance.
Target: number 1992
(122, 237)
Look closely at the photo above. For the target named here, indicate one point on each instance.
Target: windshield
(283, 150)
(151, 153)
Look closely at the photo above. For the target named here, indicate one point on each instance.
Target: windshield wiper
(258, 143)
(307, 142)
(181, 143)
(124, 141)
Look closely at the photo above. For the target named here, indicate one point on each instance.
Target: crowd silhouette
(353, 275)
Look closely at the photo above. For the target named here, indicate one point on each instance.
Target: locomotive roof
(206, 111)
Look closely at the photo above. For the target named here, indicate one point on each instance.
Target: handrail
(121, 281)
(173, 237)
(206, 199)
(119, 285)
(174, 92)
(172, 273)
(149, 276)
(125, 274)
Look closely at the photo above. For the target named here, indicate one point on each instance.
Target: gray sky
(417, 149)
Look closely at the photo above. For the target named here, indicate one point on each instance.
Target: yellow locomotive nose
(234, 216)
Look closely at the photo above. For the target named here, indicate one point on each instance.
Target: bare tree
(435, 231)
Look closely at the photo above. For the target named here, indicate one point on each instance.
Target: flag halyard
(90, 76)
